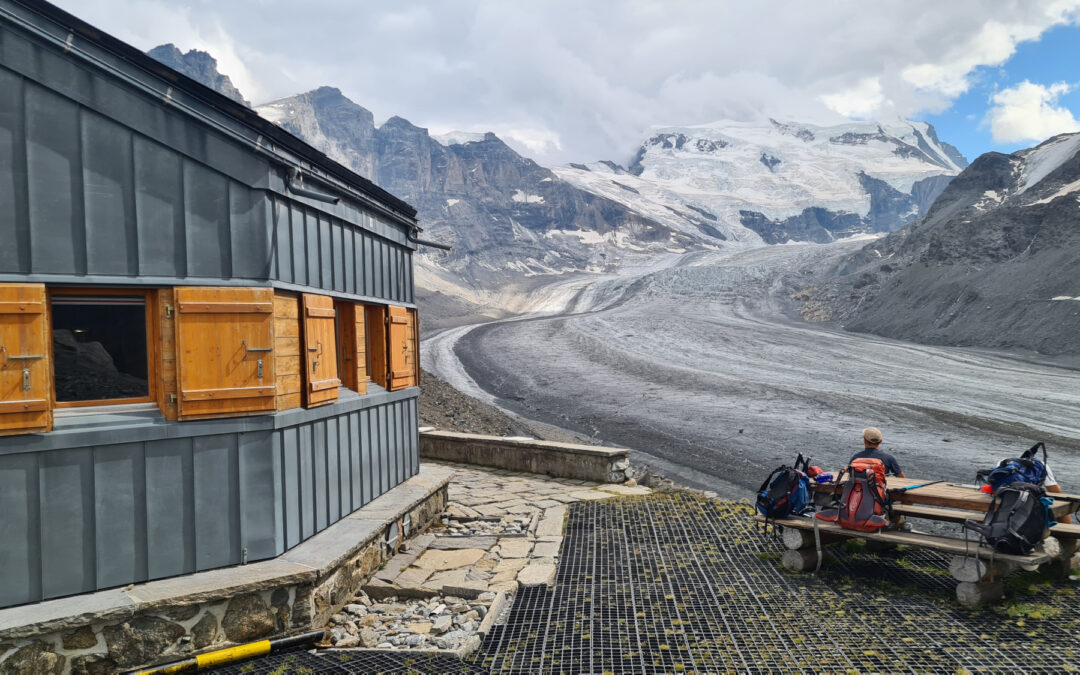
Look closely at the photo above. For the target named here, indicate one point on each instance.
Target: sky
(569, 81)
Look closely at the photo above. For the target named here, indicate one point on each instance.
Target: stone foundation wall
(114, 639)
(561, 460)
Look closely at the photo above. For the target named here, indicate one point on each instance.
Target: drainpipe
(295, 175)
(422, 242)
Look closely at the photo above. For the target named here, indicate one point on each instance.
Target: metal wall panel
(170, 510)
(107, 176)
(217, 509)
(159, 210)
(67, 522)
(54, 171)
(120, 515)
(15, 254)
(257, 483)
(20, 530)
(290, 481)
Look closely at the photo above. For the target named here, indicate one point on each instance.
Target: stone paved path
(501, 530)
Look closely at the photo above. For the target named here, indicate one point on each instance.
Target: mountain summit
(775, 181)
(199, 66)
(995, 263)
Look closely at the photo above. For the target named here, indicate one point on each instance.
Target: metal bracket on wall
(168, 311)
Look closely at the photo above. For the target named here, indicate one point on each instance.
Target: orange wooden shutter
(224, 345)
(320, 350)
(352, 345)
(376, 333)
(402, 348)
(25, 360)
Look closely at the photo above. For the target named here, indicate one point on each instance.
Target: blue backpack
(1023, 469)
(785, 492)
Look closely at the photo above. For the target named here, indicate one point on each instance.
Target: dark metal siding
(102, 184)
(87, 518)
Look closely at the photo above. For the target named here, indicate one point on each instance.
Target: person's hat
(871, 435)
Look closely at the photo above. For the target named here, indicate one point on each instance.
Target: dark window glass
(99, 347)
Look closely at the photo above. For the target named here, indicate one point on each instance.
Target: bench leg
(969, 569)
(794, 539)
(801, 560)
(973, 594)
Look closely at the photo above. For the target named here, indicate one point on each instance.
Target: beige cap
(871, 435)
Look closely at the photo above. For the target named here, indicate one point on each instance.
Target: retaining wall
(565, 460)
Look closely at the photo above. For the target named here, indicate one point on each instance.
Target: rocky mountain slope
(776, 182)
(995, 263)
(507, 218)
(199, 66)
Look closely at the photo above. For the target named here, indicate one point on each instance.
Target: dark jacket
(892, 468)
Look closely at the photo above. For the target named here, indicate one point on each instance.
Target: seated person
(1051, 486)
(871, 441)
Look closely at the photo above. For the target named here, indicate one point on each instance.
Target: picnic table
(979, 569)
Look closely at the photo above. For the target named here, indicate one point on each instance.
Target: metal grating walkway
(674, 583)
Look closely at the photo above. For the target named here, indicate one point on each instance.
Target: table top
(954, 496)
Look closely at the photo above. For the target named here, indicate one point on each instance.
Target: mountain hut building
(208, 342)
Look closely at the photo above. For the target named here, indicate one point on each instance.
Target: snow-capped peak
(728, 175)
(1040, 161)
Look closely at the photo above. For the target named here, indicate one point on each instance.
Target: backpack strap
(802, 463)
(769, 479)
(1034, 450)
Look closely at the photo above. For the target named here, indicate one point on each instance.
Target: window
(99, 347)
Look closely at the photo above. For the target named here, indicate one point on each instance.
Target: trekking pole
(911, 487)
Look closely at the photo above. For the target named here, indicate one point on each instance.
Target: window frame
(153, 341)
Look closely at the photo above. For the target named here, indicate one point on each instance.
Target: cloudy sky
(580, 81)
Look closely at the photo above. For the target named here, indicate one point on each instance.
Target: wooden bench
(979, 570)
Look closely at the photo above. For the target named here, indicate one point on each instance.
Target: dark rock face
(84, 638)
(981, 269)
(36, 658)
(93, 664)
(204, 632)
(200, 67)
(247, 618)
(140, 640)
(769, 161)
(814, 224)
(490, 203)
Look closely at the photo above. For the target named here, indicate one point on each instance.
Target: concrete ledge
(562, 460)
(176, 617)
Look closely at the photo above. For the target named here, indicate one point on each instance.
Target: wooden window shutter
(25, 360)
(376, 333)
(224, 346)
(352, 345)
(402, 348)
(320, 350)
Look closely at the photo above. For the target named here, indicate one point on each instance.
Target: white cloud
(581, 81)
(861, 101)
(1027, 112)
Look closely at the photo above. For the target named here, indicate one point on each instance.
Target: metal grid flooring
(674, 583)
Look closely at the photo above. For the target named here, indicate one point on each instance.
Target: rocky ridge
(508, 218)
(993, 264)
(199, 66)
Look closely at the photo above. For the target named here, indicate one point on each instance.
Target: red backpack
(862, 504)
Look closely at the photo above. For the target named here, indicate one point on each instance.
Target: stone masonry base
(170, 619)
